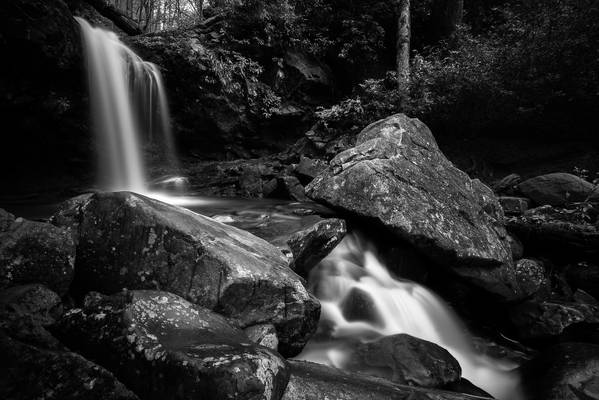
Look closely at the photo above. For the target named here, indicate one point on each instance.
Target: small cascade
(129, 107)
(351, 273)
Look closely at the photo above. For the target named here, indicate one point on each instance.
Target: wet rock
(397, 177)
(467, 387)
(359, 306)
(289, 187)
(406, 360)
(545, 318)
(130, 241)
(308, 169)
(558, 233)
(531, 276)
(567, 371)
(163, 347)
(311, 245)
(513, 205)
(36, 252)
(30, 372)
(264, 335)
(311, 381)
(557, 189)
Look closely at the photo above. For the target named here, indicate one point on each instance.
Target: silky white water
(396, 307)
(128, 106)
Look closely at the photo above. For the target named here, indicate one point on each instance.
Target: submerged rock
(558, 189)
(397, 177)
(407, 360)
(567, 371)
(311, 245)
(35, 252)
(163, 347)
(311, 381)
(126, 240)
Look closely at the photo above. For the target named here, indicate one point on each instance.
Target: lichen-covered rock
(264, 335)
(163, 347)
(309, 246)
(407, 360)
(531, 276)
(557, 189)
(397, 177)
(545, 318)
(311, 381)
(34, 301)
(30, 372)
(126, 240)
(36, 252)
(567, 371)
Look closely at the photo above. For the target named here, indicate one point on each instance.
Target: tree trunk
(446, 15)
(403, 45)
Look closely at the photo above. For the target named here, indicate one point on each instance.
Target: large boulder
(407, 360)
(311, 381)
(568, 371)
(126, 240)
(397, 177)
(35, 252)
(558, 189)
(163, 347)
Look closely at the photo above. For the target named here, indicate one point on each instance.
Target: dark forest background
(505, 85)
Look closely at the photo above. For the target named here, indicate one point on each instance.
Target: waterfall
(128, 104)
(393, 307)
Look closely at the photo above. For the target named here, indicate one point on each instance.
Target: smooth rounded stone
(397, 177)
(557, 189)
(545, 318)
(126, 240)
(33, 301)
(531, 276)
(264, 335)
(311, 381)
(513, 205)
(30, 372)
(36, 252)
(507, 184)
(309, 246)
(567, 371)
(163, 347)
(359, 305)
(407, 360)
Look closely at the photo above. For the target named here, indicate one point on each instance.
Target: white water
(398, 307)
(128, 104)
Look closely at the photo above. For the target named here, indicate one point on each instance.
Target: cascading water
(129, 104)
(396, 306)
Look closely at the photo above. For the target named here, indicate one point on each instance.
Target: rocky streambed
(121, 296)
